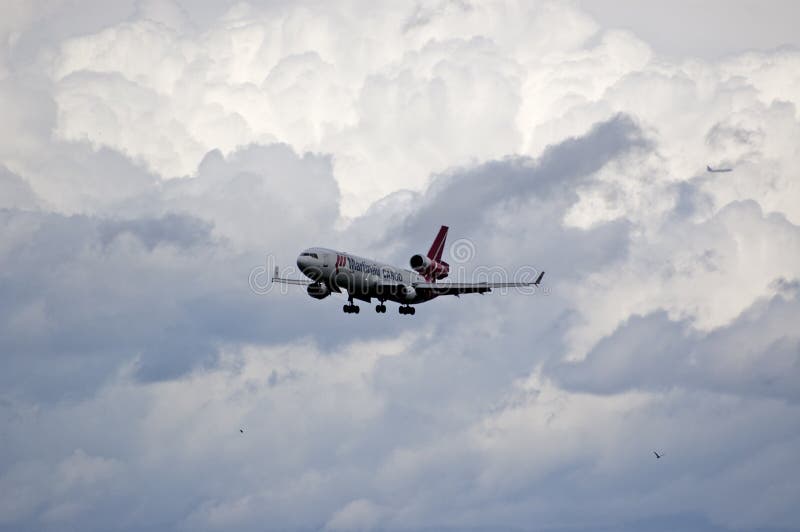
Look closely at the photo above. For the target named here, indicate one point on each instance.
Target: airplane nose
(302, 263)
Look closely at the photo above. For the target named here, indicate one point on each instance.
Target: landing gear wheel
(380, 309)
(412, 310)
(350, 308)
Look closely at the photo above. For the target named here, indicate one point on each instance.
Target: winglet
(538, 279)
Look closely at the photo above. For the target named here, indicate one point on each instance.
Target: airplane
(718, 170)
(331, 271)
(658, 455)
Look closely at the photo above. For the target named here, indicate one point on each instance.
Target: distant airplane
(241, 430)
(364, 279)
(718, 170)
(658, 455)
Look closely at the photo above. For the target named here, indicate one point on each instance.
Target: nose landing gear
(380, 309)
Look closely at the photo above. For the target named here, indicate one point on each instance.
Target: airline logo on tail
(435, 253)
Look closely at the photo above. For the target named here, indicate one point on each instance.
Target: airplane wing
(456, 289)
(283, 280)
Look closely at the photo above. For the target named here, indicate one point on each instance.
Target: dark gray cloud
(180, 231)
(166, 288)
(537, 191)
(552, 178)
(756, 354)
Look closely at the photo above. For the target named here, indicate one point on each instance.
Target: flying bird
(241, 430)
(658, 455)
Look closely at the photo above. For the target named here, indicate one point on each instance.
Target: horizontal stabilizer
(300, 282)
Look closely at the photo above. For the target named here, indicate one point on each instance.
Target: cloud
(169, 230)
(15, 191)
(165, 279)
(707, 273)
(360, 514)
(429, 97)
(445, 84)
(709, 30)
(157, 155)
(754, 354)
(539, 451)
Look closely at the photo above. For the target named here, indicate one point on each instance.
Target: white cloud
(707, 273)
(417, 98)
(453, 84)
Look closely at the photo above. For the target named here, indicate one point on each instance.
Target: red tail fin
(435, 253)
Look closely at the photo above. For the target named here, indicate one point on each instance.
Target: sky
(158, 158)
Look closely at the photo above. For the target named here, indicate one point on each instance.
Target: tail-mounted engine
(318, 290)
(429, 268)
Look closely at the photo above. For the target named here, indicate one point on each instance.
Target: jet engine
(408, 293)
(318, 290)
(429, 267)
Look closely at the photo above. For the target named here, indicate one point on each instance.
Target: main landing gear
(350, 308)
(380, 308)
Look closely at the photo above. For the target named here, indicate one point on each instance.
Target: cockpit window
(312, 255)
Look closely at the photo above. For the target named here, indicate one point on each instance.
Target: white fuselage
(360, 277)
